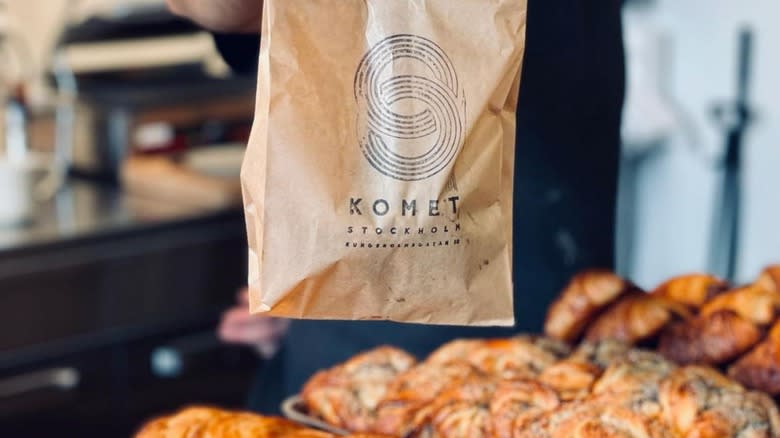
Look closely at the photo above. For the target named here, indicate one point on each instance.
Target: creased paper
(378, 179)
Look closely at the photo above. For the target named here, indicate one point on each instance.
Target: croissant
(754, 303)
(691, 290)
(347, 395)
(635, 317)
(711, 339)
(760, 368)
(581, 300)
(770, 278)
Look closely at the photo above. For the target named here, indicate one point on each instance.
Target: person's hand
(240, 16)
(263, 333)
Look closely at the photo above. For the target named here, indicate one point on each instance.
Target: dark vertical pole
(734, 119)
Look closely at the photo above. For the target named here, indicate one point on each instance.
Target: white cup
(17, 190)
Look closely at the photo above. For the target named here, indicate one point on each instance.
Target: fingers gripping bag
(378, 178)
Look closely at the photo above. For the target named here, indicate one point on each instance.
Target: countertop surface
(84, 209)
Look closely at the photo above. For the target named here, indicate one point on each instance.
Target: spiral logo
(411, 110)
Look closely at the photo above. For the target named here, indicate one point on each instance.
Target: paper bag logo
(411, 109)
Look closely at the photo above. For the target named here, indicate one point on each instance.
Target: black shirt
(568, 127)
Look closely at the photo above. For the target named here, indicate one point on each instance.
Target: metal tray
(295, 409)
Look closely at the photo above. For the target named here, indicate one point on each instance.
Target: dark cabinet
(98, 334)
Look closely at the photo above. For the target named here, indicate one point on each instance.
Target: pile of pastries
(694, 358)
(691, 319)
(206, 422)
(644, 365)
(536, 387)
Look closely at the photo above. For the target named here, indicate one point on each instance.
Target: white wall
(676, 187)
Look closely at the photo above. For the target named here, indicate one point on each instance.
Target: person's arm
(228, 16)
(236, 27)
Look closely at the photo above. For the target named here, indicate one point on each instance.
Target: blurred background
(121, 233)
(122, 237)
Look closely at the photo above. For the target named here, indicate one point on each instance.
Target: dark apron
(565, 188)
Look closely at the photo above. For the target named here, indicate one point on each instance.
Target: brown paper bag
(378, 179)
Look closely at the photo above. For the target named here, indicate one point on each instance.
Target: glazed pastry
(454, 351)
(244, 425)
(601, 353)
(596, 417)
(200, 422)
(461, 411)
(754, 303)
(402, 409)
(189, 422)
(710, 339)
(347, 395)
(580, 302)
(701, 402)
(519, 357)
(691, 290)
(637, 371)
(760, 368)
(556, 347)
(570, 379)
(516, 403)
(770, 278)
(774, 331)
(635, 317)
(602, 421)
(511, 358)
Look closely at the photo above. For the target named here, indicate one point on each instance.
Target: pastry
(609, 421)
(637, 371)
(581, 300)
(754, 303)
(760, 368)
(635, 317)
(201, 422)
(596, 417)
(601, 353)
(461, 411)
(711, 339)
(701, 402)
(691, 290)
(347, 395)
(518, 357)
(570, 379)
(401, 410)
(769, 278)
(515, 403)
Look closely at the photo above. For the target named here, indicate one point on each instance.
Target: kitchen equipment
(158, 113)
(294, 408)
(18, 183)
(140, 80)
(21, 172)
